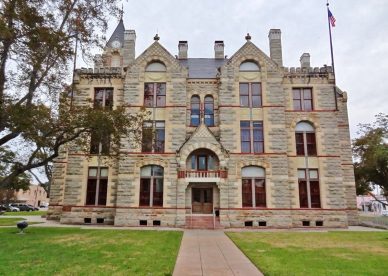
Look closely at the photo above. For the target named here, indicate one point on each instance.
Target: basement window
(249, 223)
(262, 223)
(143, 222)
(87, 220)
(156, 223)
(100, 220)
(319, 223)
(305, 223)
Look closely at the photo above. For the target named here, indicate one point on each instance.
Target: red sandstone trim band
(285, 209)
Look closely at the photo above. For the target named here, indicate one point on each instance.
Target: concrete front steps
(203, 222)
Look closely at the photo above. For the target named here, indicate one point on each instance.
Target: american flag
(331, 18)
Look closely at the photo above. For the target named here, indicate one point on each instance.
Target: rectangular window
(96, 140)
(302, 99)
(145, 188)
(153, 136)
(250, 95)
(309, 193)
(155, 94)
(97, 186)
(253, 192)
(103, 98)
(307, 139)
(252, 136)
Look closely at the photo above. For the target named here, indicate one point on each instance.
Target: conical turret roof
(118, 34)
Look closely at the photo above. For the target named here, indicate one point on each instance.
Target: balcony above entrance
(203, 176)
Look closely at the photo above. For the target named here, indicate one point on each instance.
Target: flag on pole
(331, 18)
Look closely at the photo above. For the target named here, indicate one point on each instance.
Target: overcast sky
(360, 37)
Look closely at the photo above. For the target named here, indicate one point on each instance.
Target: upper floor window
(250, 94)
(252, 137)
(103, 98)
(305, 139)
(99, 143)
(309, 194)
(155, 94)
(153, 136)
(203, 160)
(156, 67)
(195, 106)
(209, 111)
(303, 99)
(249, 66)
(253, 187)
(151, 186)
(97, 186)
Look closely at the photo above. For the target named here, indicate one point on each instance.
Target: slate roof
(118, 34)
(202, 68)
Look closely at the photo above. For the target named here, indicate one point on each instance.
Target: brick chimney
(219, 49)
(305, 60)
(275, 46)
(183, 46)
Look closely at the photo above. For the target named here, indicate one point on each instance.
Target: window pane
(160, 101)
(315, 194)
(202, 163)
(157, 171)
(256, 101)
(311, 145)
(91, 192)
(296, 94)
(297, 105)
(297, 99)
(252, 171)
(307, 94)
(193, 162)
(302, 174)
(210, 162)
(144, 192)
(161, 89)
(245, 147)
(98, 97)
(93, 172)
(258, 147)
(209, 120)
(246, 193)
(158, 192)
(108, 98)
(102, 193)
(159, 140)
(244, 101)
(313, 174)
(245, 124)
(308, 105)
(303, 194)
(256, 89)
(104, 172)
(148, 94)
(145, 171)
(244, 89)
(299, 140)
(260, 192)
(147, 140)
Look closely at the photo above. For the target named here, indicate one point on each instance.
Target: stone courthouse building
(238, 141)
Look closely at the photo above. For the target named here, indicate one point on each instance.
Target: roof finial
(248, 37)
(156, 37)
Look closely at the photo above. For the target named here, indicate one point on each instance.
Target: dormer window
(249, 66)
(156, 66)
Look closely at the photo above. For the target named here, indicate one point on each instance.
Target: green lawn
(74, 251)
(316, 253)
(24, 213)
(9, 221)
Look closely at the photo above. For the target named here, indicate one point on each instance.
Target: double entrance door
(202, 200)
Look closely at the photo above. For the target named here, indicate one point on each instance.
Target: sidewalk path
(209, 252)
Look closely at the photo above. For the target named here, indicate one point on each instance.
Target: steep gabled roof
(118, 34)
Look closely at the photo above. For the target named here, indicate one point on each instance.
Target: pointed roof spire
(118, 33)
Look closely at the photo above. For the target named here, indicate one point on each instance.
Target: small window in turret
(103, 98)
(156, 66)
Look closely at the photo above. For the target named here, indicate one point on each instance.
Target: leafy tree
(37, 118)
(370, 152)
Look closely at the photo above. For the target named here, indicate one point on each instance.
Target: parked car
(33, 207)
(22, 207)
(11, 208)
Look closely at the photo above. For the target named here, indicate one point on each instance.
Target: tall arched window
(151, 186)
(305, 139)
(195, 110)
(209, 111)
(253, 187)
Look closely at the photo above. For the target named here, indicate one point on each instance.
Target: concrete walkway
(209, 252)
